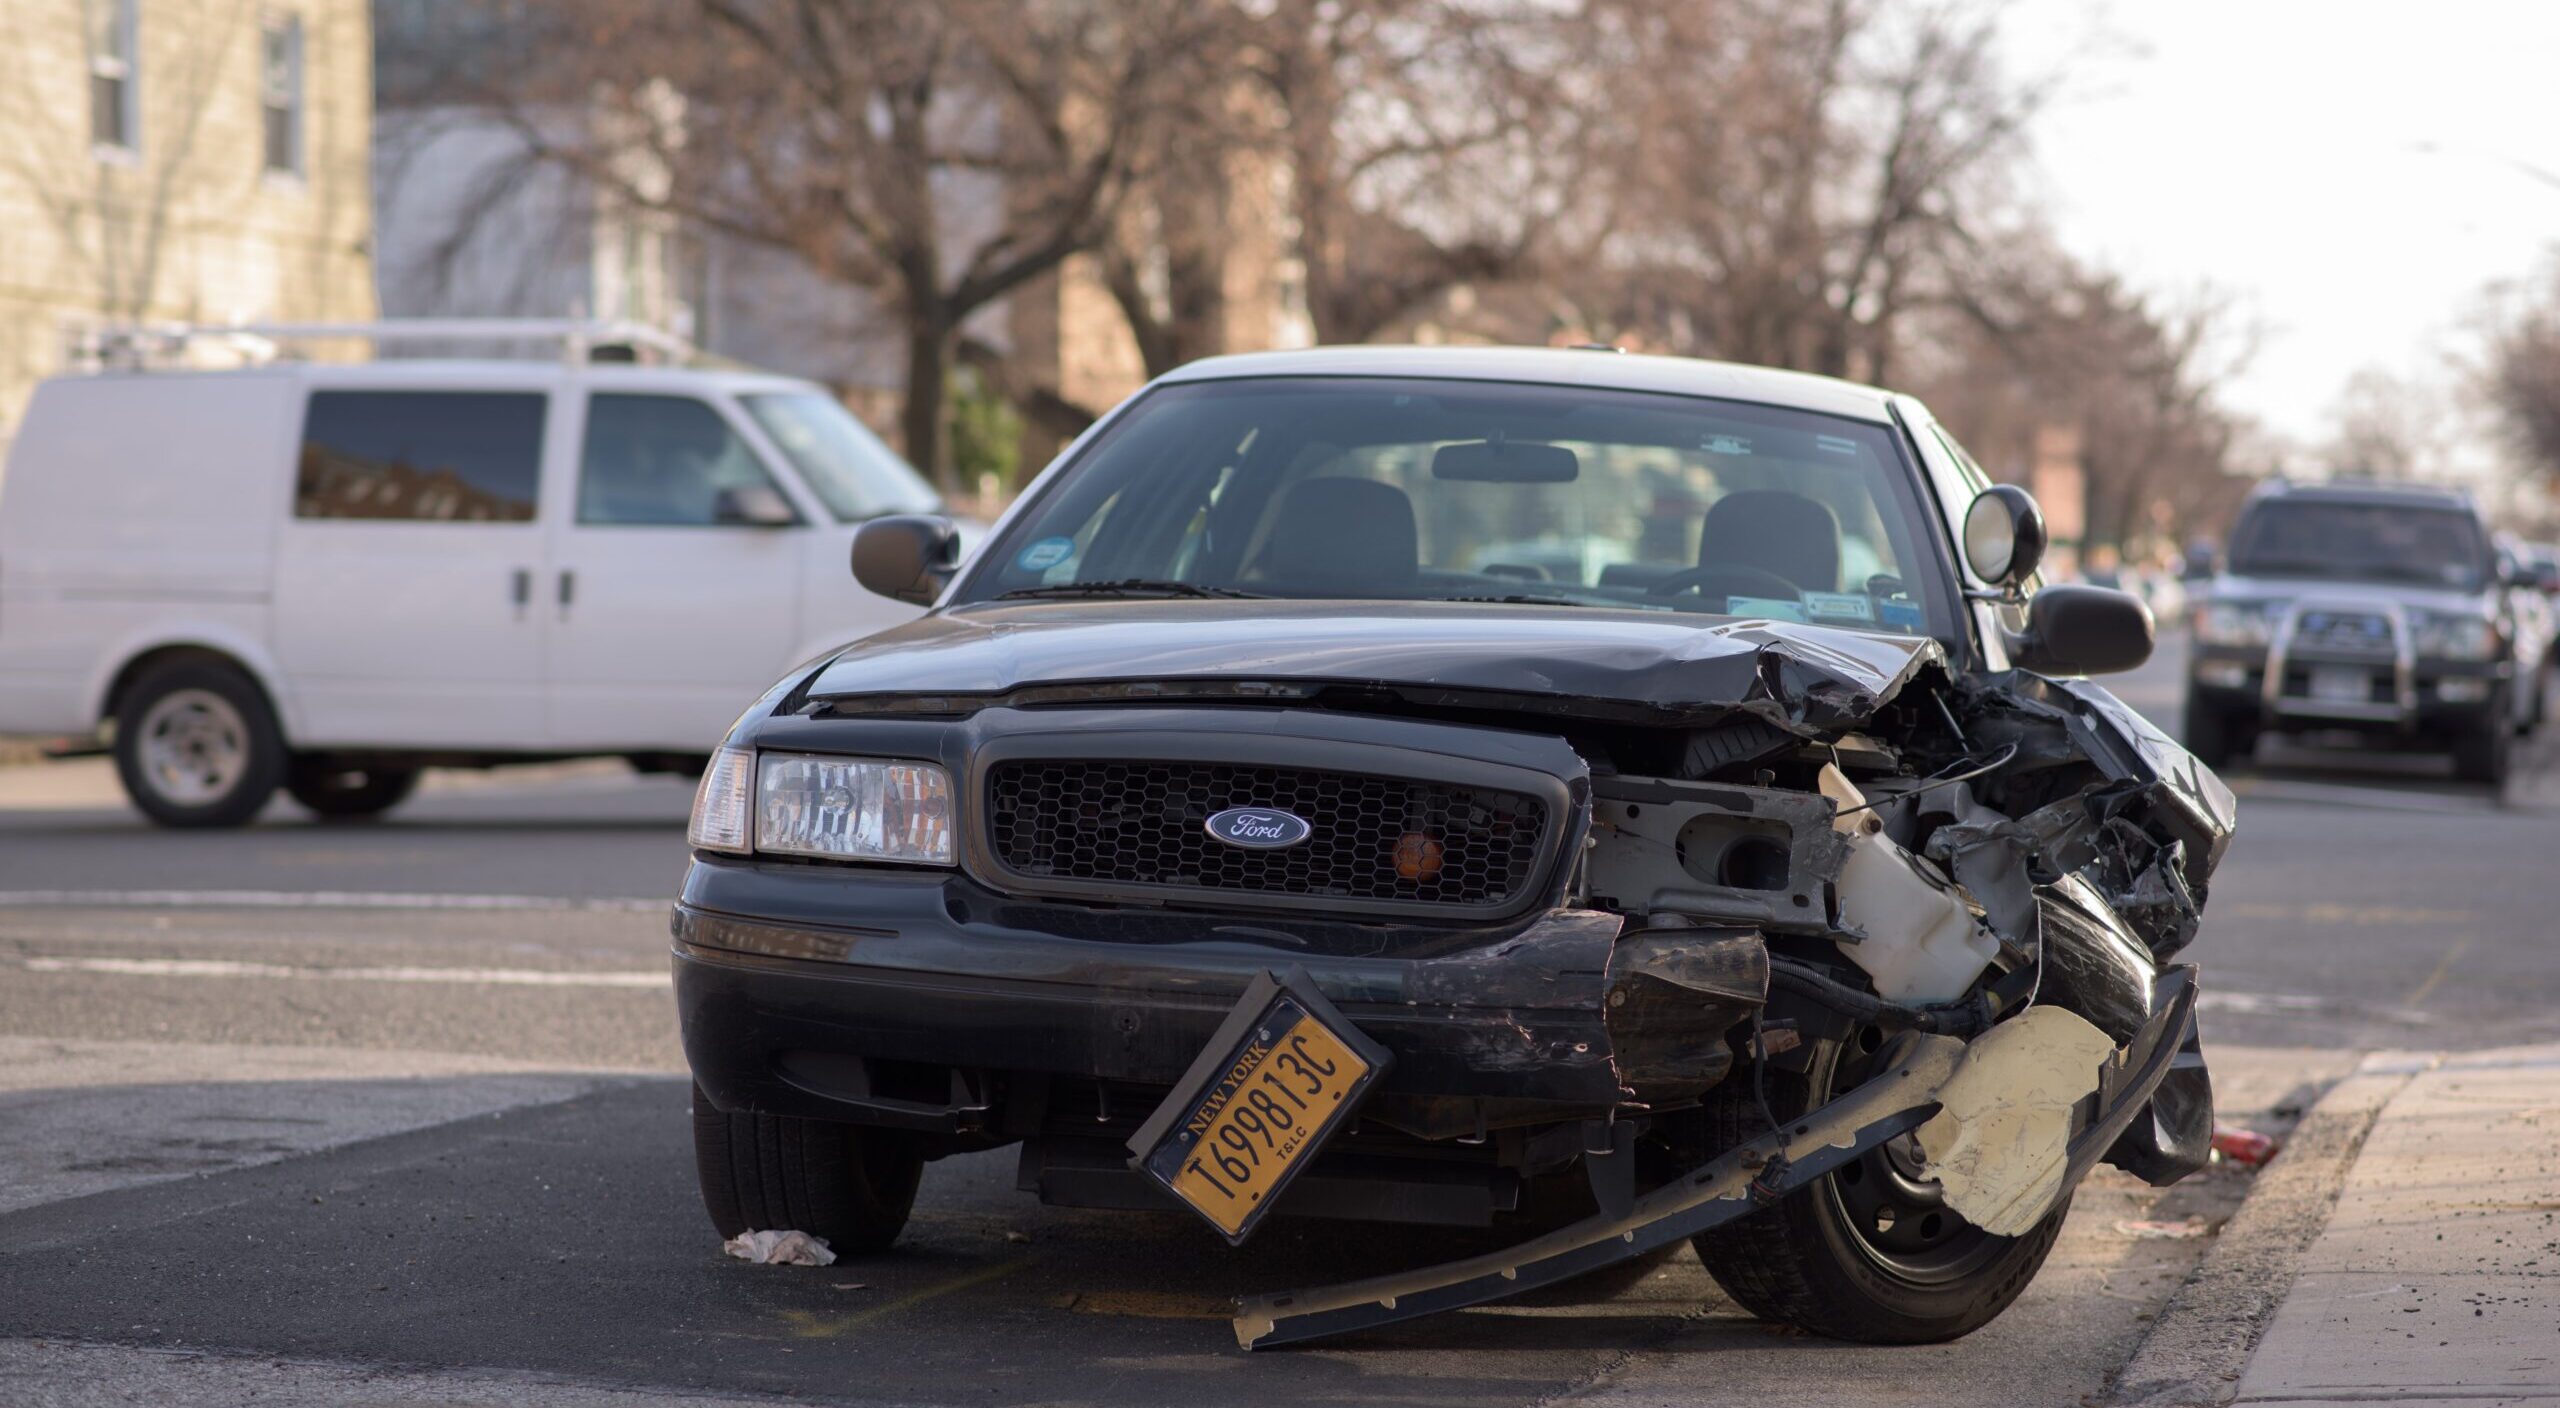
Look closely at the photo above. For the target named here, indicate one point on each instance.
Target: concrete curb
(2194, 1354)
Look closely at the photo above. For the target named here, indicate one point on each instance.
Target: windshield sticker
(1767, 608)
(1045, 554)
(1839, 606)
(1835, 444)
(1727, 445)
(1903, 616)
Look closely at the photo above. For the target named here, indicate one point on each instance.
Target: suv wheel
(196, 744)
(1869, 1252)
(2213, 735)
(2486, 753)
(850, 1184)
(335, 793)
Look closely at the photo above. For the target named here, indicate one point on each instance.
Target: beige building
(178, 161)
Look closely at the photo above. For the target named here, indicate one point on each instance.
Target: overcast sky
(2346, 172)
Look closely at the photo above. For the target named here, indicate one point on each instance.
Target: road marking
(2444, 965)
(2329, 913)
(2270, 1004)
(230, 968)
(2264, 789)
(308, 899)
(810, 1326)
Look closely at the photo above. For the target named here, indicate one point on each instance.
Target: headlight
(722, 802)
(852, 809)
(2457, 637)
(2232, 623)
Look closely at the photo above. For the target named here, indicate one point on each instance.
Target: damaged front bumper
(1735, 1184)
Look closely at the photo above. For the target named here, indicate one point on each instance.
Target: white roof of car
(1580, 366)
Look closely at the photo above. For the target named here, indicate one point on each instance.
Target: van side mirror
(2004, 535)
(753, 506)
(2082, 630)
(908, 558)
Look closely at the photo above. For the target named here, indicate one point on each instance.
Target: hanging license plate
(1279, 1079)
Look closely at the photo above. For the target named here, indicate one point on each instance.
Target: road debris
(2142, 1230)
(2245, 1147)
(771, 1248)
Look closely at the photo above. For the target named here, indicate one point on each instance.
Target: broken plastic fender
(2000, 1144)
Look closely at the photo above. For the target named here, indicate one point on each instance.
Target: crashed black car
(1383, 783)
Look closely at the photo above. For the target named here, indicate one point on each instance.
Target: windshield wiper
(1129, 586)
(1519, 599)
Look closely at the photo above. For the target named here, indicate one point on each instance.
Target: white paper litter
(780, 1249)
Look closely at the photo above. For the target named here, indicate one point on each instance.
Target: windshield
(2361, 542)
(1474, 491)
(841, 459)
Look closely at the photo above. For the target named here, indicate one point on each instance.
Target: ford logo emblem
(1258, 828)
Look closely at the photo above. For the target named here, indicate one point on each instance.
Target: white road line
(307, 899)
(229, 968)
(2389, 799)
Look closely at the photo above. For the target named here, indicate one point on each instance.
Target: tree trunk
(920, 418)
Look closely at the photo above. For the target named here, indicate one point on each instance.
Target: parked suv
(2377, 608)
(1425, 784)
(326, 576)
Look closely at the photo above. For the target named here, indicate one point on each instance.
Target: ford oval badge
(1258, 828)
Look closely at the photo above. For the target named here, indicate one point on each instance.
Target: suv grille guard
(1736, 1183)
(2403, 661)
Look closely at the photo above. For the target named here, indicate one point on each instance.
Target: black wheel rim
(1898, 1222)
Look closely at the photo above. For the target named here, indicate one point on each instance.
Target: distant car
(326, 577)
(2375, 608)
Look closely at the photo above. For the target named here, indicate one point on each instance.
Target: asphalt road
(391, 1113)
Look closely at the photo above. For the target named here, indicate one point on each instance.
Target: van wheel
(850, 1184)
(1868, 1252)
(196, 744)
(335, 793)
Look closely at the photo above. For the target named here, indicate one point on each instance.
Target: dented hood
(1652, 666)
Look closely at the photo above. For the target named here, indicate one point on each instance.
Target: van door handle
(521, 592)
(568, 591)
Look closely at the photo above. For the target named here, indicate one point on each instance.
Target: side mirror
(2080, 630)
(2004, 535)
(908, 558)
(753, 506)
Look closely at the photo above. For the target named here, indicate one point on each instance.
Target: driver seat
(1793, 536)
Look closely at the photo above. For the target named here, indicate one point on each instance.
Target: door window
(666, 461)
(421, 456)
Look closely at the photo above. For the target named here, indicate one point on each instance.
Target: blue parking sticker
(1045, 554)
(1902, 616)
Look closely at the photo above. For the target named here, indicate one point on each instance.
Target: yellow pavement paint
(2357, 914)
(809, 1325)
(2444, 965)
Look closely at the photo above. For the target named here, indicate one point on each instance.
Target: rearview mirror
(1506, 462)
(753, 506)
(2081, 630)
(907, 558)
(2004, 535)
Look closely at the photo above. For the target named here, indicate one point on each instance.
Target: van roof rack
(582, 341)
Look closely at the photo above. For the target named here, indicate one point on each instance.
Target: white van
(325, 577)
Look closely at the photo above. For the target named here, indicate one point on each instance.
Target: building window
(113, 116)
(280, 91)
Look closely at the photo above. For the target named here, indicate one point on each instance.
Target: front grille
(1375, 841)
(2348, 632)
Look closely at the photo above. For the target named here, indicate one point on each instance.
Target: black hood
(1635, 666)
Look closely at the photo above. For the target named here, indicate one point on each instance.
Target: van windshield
(841, 459)
(1481, 491)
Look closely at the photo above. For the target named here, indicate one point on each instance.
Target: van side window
(421, 456)
(665, 461)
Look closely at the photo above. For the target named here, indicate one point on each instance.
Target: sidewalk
(2437, 1277)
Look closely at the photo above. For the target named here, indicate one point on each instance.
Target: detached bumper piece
(1738, 1182)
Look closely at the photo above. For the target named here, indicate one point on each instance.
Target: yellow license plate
(1243, 1124)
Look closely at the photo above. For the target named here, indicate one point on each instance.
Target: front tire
(850, 1184)
(2486, 754)
(1867, 1253)
(336, 793)
(197, 745)
(2213, 735)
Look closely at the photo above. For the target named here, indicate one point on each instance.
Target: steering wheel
(1753, 581)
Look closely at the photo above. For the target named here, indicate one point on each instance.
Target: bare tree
(2522, 376)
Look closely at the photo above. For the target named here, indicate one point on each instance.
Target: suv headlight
(2232, 623)
(802, 804)
(2456, 637)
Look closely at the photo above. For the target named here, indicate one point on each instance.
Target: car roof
(478, 372)
(1572, 366)
(2384, 492)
